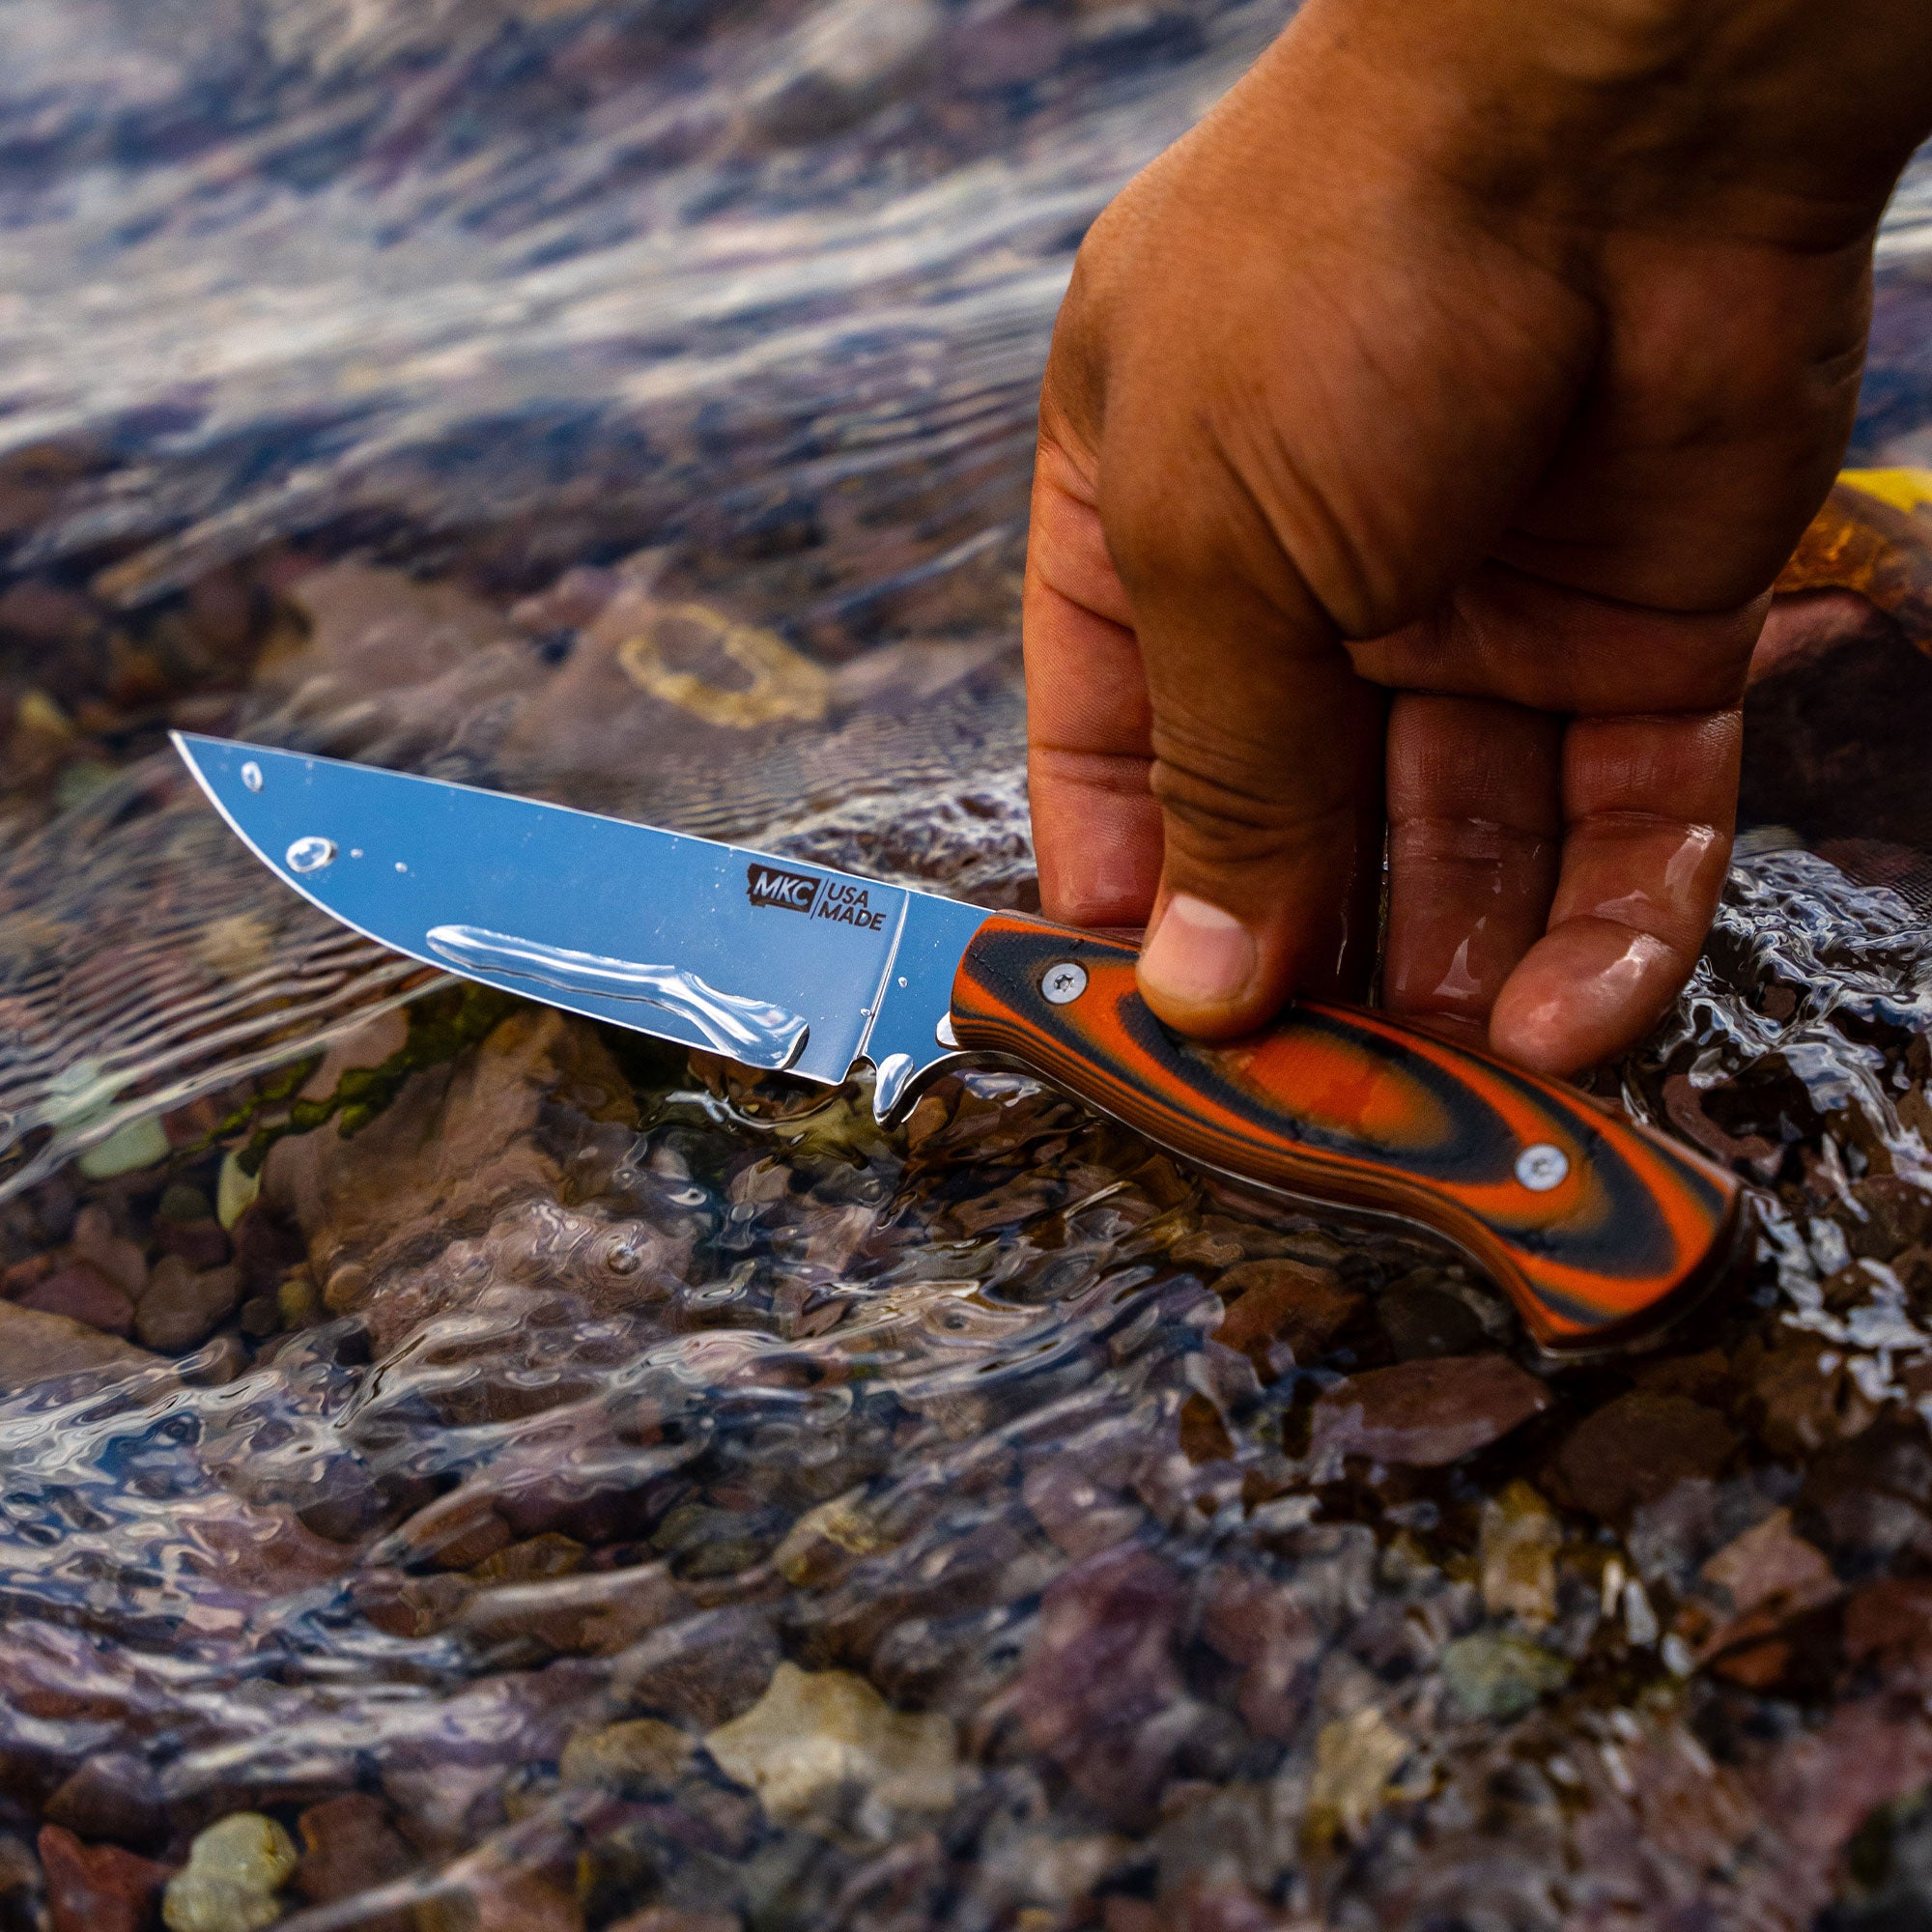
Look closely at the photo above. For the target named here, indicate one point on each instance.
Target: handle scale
(1595, 1228)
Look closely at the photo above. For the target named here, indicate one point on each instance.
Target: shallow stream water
(466, 1469)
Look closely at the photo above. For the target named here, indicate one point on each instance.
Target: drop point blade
(774, 962)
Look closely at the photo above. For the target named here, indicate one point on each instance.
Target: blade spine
(276, 872)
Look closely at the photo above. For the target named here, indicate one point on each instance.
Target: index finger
(1097, 824)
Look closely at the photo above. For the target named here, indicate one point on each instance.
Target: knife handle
(1593, 1227)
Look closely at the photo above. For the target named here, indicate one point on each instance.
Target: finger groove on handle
(1595, 1228)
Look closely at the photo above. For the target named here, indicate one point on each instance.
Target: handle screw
(1062, 983)
(1542, 1167)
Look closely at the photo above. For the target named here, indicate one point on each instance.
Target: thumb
(1267, 767)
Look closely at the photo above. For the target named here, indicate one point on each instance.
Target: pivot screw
(1542, 1167)
(1063, 984)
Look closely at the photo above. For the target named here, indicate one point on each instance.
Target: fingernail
(1199, 955)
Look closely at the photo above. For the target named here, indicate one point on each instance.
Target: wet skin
(1421, 438)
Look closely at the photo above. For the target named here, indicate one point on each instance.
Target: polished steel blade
(773, 962)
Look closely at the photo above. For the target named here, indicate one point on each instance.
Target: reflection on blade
(752, 1030)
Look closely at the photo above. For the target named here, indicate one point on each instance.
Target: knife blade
(1599, 1229)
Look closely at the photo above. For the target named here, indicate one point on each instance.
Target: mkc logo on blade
(842, 901)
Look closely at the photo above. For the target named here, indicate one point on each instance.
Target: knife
(1598, 1230)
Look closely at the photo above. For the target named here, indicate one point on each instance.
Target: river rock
(182, 1308)
(1888, 1625)
(1265, 1630)
(1755, 1583)
(118, 1258)
(350, 1846)
(202, 1243)
(1422, 1319)
(81, 1293)
(1281, 1312)
(1801, 1395)
(1101, 1692)
(1494, 1674)
(457, 1144)
(1426, 1413)
(816, 1731)
(97, 1887)
(640, 1751)
(1355, 1759)
(1520, 1537)
(1637, 1447)
(234, 1877)
(36, 1348)
(112, 1795)
(701, 1671)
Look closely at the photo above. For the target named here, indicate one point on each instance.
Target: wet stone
(233, 1879)
(182, 1308)
(1493, 1674)
(1801, 1395)
(112, 1795)
(81, 1293)
(1421, 1319)
(701, 1671)
(640, 1751)
(1356, 1758)
(37, 1348)
(1281, 1312)
(200, 1243)
(1426, 1413)
(350, 1845)
(814, 1733)
(1520, 1535)
(97, 1887)
(1638, 1448)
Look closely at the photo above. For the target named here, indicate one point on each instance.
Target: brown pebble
(262, 1316)
(1421, 1319)
(642, 1750)
(1281, 1305)
(703, 1670)
(37, 1348)
(1802, 1395)
(201, 1244)
(350, 1846)
(112, 1795)
(1425, 1413)
(1204, 1436)
(1638, 1448)
(1889, 1623)
(347, 1288)
(97, 1887)
(119, 1261)
(183, 1308)
(81, 1294)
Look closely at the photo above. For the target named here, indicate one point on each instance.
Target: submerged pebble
(233, 1879)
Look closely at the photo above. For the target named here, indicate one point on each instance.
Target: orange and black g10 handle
(1595, 1228)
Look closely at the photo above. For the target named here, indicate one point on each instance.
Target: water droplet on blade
(311, 855)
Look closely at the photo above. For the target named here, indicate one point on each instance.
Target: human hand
(1420, 439)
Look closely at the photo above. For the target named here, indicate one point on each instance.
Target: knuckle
(1221, 807)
